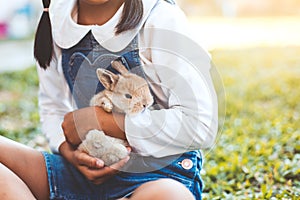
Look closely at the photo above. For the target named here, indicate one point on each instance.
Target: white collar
(67, 33)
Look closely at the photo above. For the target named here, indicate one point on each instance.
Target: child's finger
(128, 149)
(89, 161)
(98, 176)
(117, 166)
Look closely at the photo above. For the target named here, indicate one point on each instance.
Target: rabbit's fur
(124, 93)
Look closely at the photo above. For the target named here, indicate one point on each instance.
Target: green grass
(19, 119)
(257, 155)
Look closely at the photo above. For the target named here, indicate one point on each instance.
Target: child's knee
(166, 189)
(171, 189)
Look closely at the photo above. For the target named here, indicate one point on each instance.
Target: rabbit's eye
(128, 96)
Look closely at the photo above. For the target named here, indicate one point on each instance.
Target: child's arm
(180, 70)
(77, 123)
(54, 101)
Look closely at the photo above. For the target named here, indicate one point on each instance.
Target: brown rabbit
(124, 93)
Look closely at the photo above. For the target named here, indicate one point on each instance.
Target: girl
(150, 38)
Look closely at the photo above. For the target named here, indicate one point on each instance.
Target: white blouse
(177, 68)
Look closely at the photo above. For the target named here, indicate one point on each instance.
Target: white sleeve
(54, 101)
(181, 69)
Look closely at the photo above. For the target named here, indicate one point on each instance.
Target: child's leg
(166, 189)
(25, 164)
(12, 187)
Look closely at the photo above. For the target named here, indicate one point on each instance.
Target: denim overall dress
(79, 65)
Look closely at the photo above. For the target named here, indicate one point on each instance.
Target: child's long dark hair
(131, 17)
(43, 44)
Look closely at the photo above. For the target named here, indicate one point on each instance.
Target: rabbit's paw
(107, 105)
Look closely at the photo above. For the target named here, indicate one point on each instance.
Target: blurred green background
(255, 46)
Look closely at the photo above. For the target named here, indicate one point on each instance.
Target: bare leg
(24, 167)
(164, 189)
(12, 187)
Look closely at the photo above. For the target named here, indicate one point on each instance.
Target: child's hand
(92, 168)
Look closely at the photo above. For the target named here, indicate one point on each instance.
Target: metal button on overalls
(187, 164)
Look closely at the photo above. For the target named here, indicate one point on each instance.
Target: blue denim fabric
(79, 66)
(66, 183)
(80, 63)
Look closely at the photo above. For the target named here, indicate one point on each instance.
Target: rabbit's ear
(117, 65)
(107, 78)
